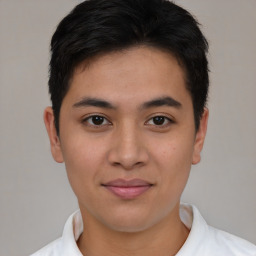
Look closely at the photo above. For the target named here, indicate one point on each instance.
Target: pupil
(98, 120)
(158, 120)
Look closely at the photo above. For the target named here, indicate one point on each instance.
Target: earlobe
(200, 136)
(53, 136)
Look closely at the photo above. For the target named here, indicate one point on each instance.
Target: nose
(128, 149)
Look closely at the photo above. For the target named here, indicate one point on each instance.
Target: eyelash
(167, 121)
(86, 121)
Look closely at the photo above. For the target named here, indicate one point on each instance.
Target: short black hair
(97, 27)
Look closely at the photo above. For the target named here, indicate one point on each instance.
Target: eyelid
(165, 115)
(170, 119)
(88, 116)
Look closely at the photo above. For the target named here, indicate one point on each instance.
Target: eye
(96, 120)
(159, 121)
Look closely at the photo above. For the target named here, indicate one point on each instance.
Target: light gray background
(35, 198)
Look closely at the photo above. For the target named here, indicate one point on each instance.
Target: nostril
(139, 163)
(128, 165)
(116, 164)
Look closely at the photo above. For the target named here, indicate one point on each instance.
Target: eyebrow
(87, 101)
(162, 101)
(158, 102)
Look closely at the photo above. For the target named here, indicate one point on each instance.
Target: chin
(127, 227)
(130, 223)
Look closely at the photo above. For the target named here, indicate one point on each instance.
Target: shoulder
(205, 240)
(228, 244)
(66, 244)
(52, 249)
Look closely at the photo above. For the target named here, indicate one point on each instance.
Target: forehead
(138, 71)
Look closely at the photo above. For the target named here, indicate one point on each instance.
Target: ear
(53, 136)
(200, 136)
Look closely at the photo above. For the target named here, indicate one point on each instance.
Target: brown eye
(96, 120)
(159, 120)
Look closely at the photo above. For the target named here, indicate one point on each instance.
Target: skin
(128, 144)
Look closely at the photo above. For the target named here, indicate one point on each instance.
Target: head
(97, 27)
(128, 84)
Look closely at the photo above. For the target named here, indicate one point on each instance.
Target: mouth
(128, 189)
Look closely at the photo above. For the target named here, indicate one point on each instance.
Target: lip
(127, 189)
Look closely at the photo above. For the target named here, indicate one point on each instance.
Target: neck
(165, 238)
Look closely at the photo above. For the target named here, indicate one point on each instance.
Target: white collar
(202, 240)
(189, 215)
(193, 220)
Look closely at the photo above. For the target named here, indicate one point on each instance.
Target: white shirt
(203, 240)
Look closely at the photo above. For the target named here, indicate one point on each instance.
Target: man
(128, 84)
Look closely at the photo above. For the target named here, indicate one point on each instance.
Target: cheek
(174, 163)
(82, 160)
(175, 154)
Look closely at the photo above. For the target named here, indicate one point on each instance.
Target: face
(127, 137)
